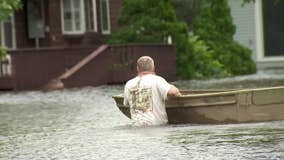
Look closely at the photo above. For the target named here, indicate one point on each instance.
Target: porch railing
(5, 67)
(34, 68)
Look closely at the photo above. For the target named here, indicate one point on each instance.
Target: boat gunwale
(217, 93)
(230, 92)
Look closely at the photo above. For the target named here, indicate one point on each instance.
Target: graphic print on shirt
(141, 99)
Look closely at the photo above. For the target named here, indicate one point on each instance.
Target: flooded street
(85, 124)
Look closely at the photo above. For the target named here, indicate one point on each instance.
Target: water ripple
(85, 124)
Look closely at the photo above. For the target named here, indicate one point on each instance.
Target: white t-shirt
(146, 97)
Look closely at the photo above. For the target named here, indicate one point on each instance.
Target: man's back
(146, 96)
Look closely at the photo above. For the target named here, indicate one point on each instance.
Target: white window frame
(3, 43)
(83, 23)
(108, 18)
(95, 16)
(260, 37)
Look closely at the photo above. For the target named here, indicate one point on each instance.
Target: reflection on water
(85, 124)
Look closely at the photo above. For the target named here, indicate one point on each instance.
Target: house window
(7, 33)
(273, 24)
(73, 21)
(92, 16)
(105, 21)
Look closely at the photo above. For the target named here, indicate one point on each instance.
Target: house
(60, 23)
(62, 41)
(260, 27)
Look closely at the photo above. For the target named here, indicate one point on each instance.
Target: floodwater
(85, 124)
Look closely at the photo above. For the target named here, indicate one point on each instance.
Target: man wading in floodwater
(146, 94)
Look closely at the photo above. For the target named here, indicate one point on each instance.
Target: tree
(215, 27)
(197, 53)
(186, 10)
(6, 8)
(150, 21)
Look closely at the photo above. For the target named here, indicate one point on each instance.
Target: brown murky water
(85, 124)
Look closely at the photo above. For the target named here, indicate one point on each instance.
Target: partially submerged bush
(198, 61)
(215, 27)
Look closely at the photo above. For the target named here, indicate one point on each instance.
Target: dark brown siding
(53, 34)
(53, 20)
(6, 83)
(22, 40)
(114, 7)
(33, 69)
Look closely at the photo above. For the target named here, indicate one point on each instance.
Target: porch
(5, 75)
(33, 69)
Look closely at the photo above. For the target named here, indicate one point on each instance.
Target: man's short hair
(145, 63)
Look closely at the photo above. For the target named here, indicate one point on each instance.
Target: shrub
(3, 52)
(209, 52)
(150, 21)
(215, 27)
(198, 61)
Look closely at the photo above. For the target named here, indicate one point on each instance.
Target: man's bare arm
(174, 91)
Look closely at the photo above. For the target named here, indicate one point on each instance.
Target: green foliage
(209, 52)
(198, 62)
(247, 1)
(186, 10)
(3, 52)
(152, 21)
(8, 6)
(215, 22)
(215, 27)
(149, 21)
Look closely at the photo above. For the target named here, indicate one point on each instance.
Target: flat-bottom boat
(222, 106)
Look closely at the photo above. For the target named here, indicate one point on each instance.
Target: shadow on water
(84, 123)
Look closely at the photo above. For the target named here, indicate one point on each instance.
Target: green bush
(3, 52)
(8, 6)
(215, 27)
(209, 52)
(186, 10)
(6, 9)
(150, 21)
(198, 61)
